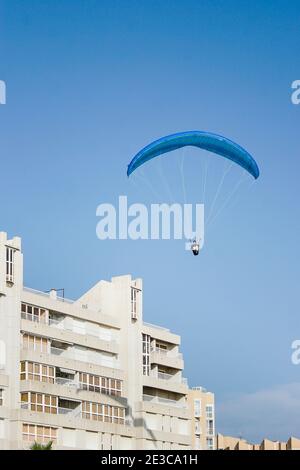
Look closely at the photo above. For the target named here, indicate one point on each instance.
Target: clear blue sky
(88, 84)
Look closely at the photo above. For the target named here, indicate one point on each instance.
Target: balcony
(165, 376)
(167, 358)
(60, 324)
(167, 353)
(163, 401)
(171, 377)
(81, 356)
(66, 382)
(160, 333)
(70, 408)
(34, 318)
(164, 381)
(65, 322)
(56, 323)
(60, 410)
(71, 413)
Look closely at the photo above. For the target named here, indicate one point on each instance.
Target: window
(2, 428)
(183, 426)
(146, 354)
(134, 295)
(209, 444)
(32, 313)
(37, 372)
(197, 427)
(104, 413)
(209, 411)
(43, 434)
(197, 443)
(197, 407)
(210, 427)
(68, 437)
(152, 422)
(1, 396)
(106, 385)
(40, 402)
(2, 354)
(92, 440)
(9, 264)
(161, 348)
(35, 343)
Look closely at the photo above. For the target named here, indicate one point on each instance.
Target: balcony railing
(60, 323)
(157, 327)
(200, 389)
(166, 353)
(84, 357)
(169, 377)
(59, 352)
(71, 412)
(163, 401)
(32, 317)
(57, 323)
(47, 294)
(80, 330)
(165, 376)
(67, 382)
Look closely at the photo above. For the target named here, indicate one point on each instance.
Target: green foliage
(37, 446)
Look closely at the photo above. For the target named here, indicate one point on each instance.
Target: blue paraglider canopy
(204, 140)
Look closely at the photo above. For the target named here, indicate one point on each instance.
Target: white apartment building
(86, 374)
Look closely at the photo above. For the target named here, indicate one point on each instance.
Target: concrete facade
(86, 374)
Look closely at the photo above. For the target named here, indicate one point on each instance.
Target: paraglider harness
(195, 247)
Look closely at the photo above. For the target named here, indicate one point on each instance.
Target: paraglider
(195, 247)
(204, 140)
(213, 143)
